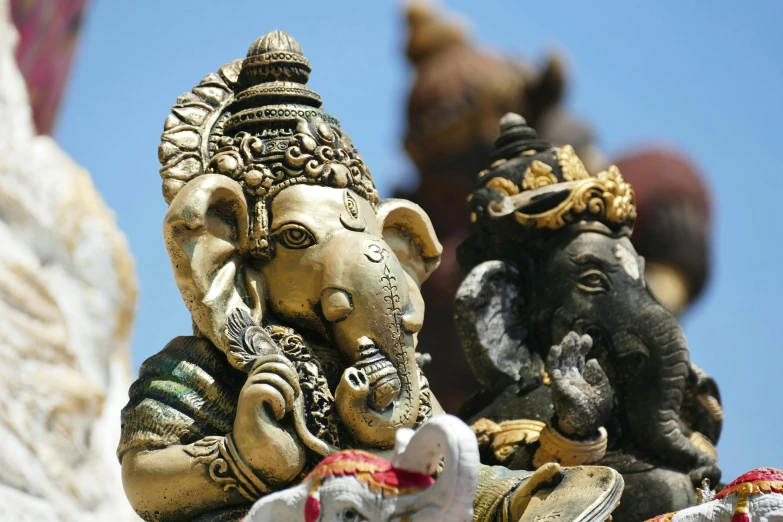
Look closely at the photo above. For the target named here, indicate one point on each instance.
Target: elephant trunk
(354, 399)
(652, 391)
(451, 497)
(373, 315)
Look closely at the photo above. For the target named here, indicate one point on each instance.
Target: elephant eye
(351, 515)
(593, 281)
(294, 236)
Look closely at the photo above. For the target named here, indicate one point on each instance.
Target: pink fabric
(47, 35)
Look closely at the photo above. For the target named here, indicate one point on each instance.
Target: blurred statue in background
(459, 92)
(67, 297)
(578, 362)
(304, 289)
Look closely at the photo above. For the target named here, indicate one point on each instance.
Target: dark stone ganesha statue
(305, 293)
(578, 361)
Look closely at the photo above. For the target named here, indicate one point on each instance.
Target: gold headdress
(257, 122)
(548, 188)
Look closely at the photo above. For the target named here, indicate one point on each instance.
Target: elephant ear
(206, 235)
(408, 231)
(490, 322)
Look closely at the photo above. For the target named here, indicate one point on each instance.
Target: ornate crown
(545, 187)
(257, 122)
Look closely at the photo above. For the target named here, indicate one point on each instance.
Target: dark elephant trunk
(652, 365)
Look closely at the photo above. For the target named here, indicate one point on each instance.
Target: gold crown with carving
(257, 122)
(548, 188)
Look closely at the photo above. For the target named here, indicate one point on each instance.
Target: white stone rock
(67, 296)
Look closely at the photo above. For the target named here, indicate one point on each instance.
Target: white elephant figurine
(356, 486)
(756, 496)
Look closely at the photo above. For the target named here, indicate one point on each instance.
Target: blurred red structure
(672, 230)
(48, 30)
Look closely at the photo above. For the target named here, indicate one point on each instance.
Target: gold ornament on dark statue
(555, 174)
(606, 198)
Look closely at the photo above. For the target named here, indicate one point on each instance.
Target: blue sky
(703, 76)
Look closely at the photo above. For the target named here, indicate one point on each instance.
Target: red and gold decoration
(376, 473)
(757, 482)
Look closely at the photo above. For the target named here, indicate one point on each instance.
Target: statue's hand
(707, 468)
(274, 383)
(581, 393)
(270, 448)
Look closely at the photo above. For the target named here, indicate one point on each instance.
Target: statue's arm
(181, 481)
(173, 484)
(260, 455)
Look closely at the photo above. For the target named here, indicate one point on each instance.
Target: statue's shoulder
(184, 353)
(185, 392)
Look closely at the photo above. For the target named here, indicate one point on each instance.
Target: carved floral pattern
(538, 175)
(504, 185)
(606, 196)
(315, 153)
(572, 167)
(207, 451)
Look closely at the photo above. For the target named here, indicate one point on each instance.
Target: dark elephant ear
(491, 325)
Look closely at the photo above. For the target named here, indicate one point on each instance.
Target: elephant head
(596, 286)
(340, 269)
(274, 214)
(357, 486)
(549, 253)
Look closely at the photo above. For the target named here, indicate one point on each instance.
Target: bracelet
(505, 437)
(225, 466)
(555, 447)
(249, 485)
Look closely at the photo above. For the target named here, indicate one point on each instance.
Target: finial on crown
(273, 57)
(516, 137)
(512, 120)
(274, 75)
